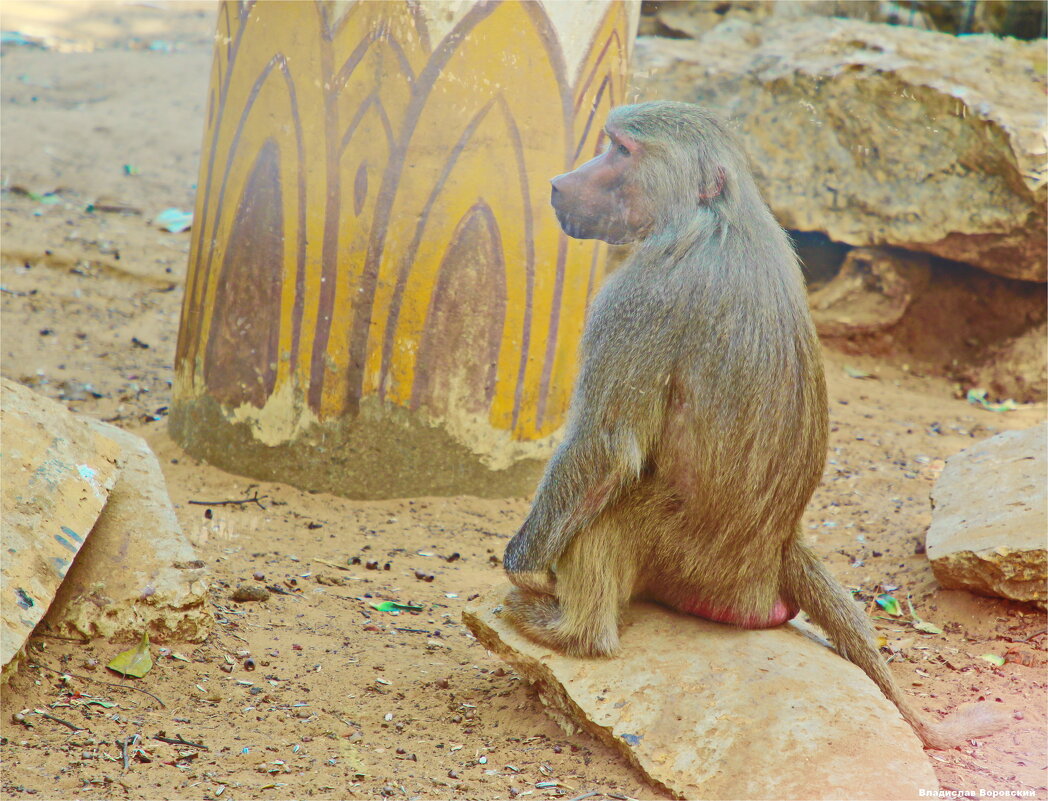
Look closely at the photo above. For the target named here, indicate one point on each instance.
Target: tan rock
(693, 20)
(138, 570)
(990, 517)
(92, 545)
(708, 711)
(876, 134)
(871, 292)
(1016, 368)
(56, 476)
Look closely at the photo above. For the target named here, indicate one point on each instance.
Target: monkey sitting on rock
(698, 426)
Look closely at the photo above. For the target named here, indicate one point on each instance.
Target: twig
(66, 723)
(127, 746)
(100, 681)
(586, 795)
(419, 631)
(256, 499)
(1006, 638)
(78, 640)
(176, 740)
(330, 564)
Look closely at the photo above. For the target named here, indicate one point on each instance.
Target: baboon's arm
(605, 451)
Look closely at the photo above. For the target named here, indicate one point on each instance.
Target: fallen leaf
(855, 372)
(134, 661)
(352, 757)
(889, 605)
(993, 659)
(926, 627)
(394, 606)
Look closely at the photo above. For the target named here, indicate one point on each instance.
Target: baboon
(697, 431)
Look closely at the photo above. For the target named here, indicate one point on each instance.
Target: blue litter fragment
(19, 38)
(174, 221)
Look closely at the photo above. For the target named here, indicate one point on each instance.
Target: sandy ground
(345, 701)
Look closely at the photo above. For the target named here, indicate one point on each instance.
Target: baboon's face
(599, 200)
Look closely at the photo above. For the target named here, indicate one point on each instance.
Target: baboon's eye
(623, 150)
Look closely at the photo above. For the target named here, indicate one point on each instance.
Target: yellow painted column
(379, 300)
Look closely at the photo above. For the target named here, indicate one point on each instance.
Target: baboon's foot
(543, 619)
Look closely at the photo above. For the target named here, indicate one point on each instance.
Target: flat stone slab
(708, 711)
(57, 475)
(990, 517)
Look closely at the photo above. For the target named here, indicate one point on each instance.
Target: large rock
(877, 134)
(90, 537)
(56, 476)
(708, 711)
(693, 20)
(990, 515)
(138, 569)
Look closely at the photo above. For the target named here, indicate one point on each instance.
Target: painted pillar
(379, 300)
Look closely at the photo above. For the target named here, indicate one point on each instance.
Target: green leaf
(393, 606)
(855, 372)
(103, 704)
(926, 627)
(993, 659)
(889, 605)
(134, 661)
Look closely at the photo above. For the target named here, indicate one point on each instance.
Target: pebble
(250, 593)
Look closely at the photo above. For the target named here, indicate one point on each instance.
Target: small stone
(250, 593)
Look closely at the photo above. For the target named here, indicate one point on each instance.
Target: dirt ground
(345, 701)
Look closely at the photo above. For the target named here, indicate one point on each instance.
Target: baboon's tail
(811, 586)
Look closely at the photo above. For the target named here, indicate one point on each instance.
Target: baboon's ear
(718, 187)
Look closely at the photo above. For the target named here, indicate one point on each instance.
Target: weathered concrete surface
(56, 475)
(990, 517)
(708, 711)
(138, 570)
(871, 292)
(877, 134)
